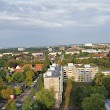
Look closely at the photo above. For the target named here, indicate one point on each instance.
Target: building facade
(80, 73)
(53, 78)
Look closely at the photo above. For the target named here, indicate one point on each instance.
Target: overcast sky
(53, 22)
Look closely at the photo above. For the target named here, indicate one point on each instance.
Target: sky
(30, 23)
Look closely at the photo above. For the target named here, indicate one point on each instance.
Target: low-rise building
(53, 78)
(38, 67)
(89, 44)
(55, 53)
(21, 49)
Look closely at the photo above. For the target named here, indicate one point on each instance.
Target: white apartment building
(53, 78)
(80, 73)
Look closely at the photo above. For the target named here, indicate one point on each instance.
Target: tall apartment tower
(53, 78)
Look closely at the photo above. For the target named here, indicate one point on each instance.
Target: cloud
(101, 19)
(56, 13)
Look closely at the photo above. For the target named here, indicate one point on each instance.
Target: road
(20, 99)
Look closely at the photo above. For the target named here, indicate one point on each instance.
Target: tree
(101, 90)
(1, 83)
(8, 78)
(46, 63)
(27, 105)
(27, 68)
(18, 77)
(11, 105)
(29, 77)
(2, 75)
(106, 83)
(2, 63)
(94, 102)
(46, 98)
(79, 93)
(98, 79)
(17, 90)
(5, 93)
(36, 105)
(39, 84)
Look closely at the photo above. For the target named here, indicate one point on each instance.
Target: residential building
(21, 49)
(38, 67)
(50, 49)
(53, 78)
(89, 45)
(80, 73)
(62, 48)
(55, 53)
(72, 52)
(37, 54)
(69, 71)
(100, 55)
(18, 68)
(1, 55)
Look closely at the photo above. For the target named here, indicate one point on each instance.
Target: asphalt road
(20, 99)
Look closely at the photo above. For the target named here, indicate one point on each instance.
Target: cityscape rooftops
(53, 71)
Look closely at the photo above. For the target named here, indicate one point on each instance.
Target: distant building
(55, 53)
(72, 51)
(1, 55)
(62, 48)
(50, 49)
(7, 54)
(80, 73)
(21, 49)
(53, 78)
(100, 55)
(89, 45)
(37, 54)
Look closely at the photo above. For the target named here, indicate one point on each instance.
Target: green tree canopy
(27, 68)
(106, 83)
(46, 98)
(1, 83)
(2, 75)
(27, 105)
(8, 78)
(11, 105)
(17, 90)
(94, 102)
(5, 93)
(29, 77)
(18, 77)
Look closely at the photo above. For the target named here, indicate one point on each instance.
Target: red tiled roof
(38, 67)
